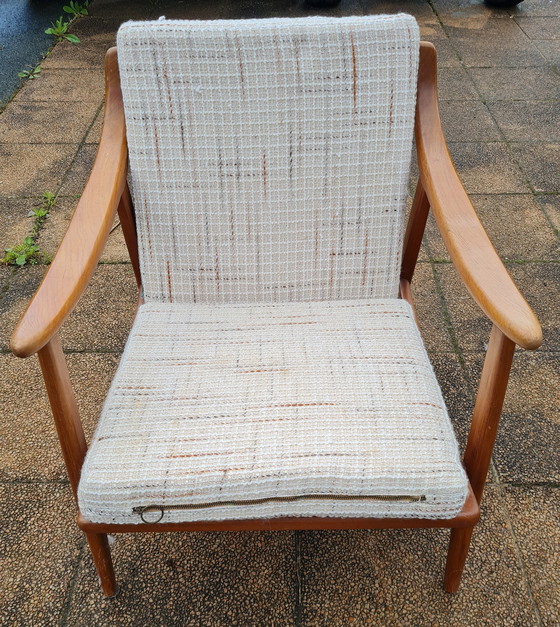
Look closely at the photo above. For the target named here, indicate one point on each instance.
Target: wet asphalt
(23, 41)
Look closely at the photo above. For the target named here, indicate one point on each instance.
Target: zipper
(161, 509)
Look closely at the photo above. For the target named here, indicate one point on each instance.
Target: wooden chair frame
(472, 253)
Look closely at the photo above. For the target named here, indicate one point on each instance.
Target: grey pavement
(23, 41)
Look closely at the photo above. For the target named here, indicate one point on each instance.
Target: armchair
(274, 377)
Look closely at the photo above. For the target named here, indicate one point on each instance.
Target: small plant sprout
(30, 74)
(48, 200)
(38, 212)
(59, 31)
(76, 9)
(28, 252)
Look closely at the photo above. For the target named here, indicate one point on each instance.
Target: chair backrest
(269, 159)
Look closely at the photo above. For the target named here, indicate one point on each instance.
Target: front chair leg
(99, 547)
(484, 427)
(456, 556)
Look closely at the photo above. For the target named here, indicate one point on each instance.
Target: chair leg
(456, 557)
(99, 547)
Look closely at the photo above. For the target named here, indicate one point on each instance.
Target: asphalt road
(22, 37)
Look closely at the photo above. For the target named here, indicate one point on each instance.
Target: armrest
(472, 253)
(81, 248)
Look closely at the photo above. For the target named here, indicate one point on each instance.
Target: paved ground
(499, 87)
(23, 40)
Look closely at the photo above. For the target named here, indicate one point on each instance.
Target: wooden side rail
(472, 253)
(89, 229)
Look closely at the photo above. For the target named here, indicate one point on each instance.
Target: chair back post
(64, 408)
(427, 69)
(488, 409)
(126, 206)
(128, 226)
(427, 79)
(414, 232)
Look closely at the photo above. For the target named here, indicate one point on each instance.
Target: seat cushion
(254, 411)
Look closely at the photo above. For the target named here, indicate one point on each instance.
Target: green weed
(28, 252)
(76, 9)
(30, 74)
(22, 254)
(59, 31)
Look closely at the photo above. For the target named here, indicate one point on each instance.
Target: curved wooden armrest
(88, 231)
(472, 253)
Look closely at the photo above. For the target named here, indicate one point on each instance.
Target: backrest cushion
(269, 159)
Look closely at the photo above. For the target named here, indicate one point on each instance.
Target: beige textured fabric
(235, 403)
(269, 158)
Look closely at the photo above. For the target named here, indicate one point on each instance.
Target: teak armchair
(274, 377)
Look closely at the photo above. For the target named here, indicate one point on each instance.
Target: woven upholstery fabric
(269, 158)
(233, 403)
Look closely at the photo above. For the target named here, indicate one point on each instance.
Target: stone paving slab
(115, 249)
(64, 85)
(104, 315)
(549, 49)
(14, 221)
(32, 452)
(537, 281)
(516, 224)
(528, 443)
(534, 514)
(420, 9)
(431, 322)
(454, 84)
(43, 123)
(18, 287)
(467, 121)
(447, 56)
(551, 208)
(471, 14)
(540, 164)
(470, 325)
(393, 577)
(99, 27)
(528, 120)
(59, 218)
(88, 55)
(536, 8)
(488, 168)
(38, 533)
(497, 42)
(94, 325)
(94, 133)
(56, 224)
(540, 27)
(457, 391)
(124, 9)
(498, 85)
(78, 174)
(29, 170)
(540, 284)
(233, 578)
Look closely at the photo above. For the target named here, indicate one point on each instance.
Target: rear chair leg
(99, 547)
(456, 557)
